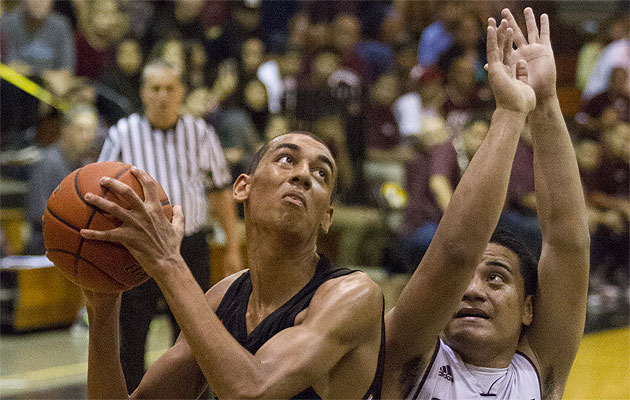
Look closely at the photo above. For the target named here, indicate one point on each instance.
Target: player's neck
(485, 355)
(279, 268)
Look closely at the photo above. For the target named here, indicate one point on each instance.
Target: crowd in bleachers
(397, 89)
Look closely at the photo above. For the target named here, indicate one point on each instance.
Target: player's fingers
(513, 70)
(519, 39)
(107, 206)
(522, 73)
(149, 185)
(545, 35)
(507, 46)
(178, 219)
(106, 236)
(530, 23)
(121, 190)
(492, 47)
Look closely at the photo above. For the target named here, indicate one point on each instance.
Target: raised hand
(508, 75)
(146, 232)
(536, 50)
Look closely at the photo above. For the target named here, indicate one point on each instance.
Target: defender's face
(494, 306)
(292, 186)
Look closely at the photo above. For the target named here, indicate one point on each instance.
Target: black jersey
(233, 308)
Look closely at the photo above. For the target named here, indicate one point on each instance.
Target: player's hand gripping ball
(95, 265)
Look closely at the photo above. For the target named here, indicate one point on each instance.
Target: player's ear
(325, 224)
(240, 189)
(528, 311)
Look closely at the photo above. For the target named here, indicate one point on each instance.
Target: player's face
(292, 186)
(494, 307)
(162, 93)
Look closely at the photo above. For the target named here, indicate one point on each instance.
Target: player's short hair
(528, 263)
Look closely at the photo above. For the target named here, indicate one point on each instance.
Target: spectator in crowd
(608, 229)
(468, 42)
(175, 18)
(590, 51)
(464, 95)
(431, 175)
(36, 42)
(345, 34)
(331, 130)
(613, 104)
(101, 26)
(57, 160)
(380, 126)
(615, 54)
(314, 96)
(607, 187)
(121, 81)
(197, 62)
(243, 24)
(438, 36)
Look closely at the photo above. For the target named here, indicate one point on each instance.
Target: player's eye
(495, 278)
(285, 158)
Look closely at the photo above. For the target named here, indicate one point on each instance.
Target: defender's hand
(536, 50)
(508, 76)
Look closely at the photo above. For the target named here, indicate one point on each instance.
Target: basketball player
(474, 321)
(292, 326)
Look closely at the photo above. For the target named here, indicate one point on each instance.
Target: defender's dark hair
(528, 263)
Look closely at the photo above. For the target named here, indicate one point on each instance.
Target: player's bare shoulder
(354, 301)
(215, 294)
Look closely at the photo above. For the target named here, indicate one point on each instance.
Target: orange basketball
(95, 265)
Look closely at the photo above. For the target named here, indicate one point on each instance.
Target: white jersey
(448, 378)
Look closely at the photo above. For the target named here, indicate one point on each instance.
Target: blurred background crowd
(396, 88)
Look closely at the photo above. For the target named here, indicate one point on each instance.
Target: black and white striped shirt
(187, 160)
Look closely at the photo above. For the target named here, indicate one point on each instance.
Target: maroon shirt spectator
(380, 128)
(522, 177)
(91, 62)
(422, 207)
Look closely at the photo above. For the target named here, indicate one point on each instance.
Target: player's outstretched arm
(560, 303)
(342, 318)
(431, 296)
(105, 375)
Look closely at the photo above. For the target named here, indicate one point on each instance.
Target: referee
(184, 155)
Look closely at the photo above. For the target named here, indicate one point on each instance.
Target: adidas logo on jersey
(446, 372)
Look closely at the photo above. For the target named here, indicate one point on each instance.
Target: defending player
(474, 320)
(290, 326)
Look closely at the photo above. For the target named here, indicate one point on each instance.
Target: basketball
(95, 265)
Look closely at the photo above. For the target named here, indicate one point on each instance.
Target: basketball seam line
(68, 224)
(77, 258)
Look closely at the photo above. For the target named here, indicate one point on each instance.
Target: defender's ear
(240, 189)
(327, 222)
(528, 312)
